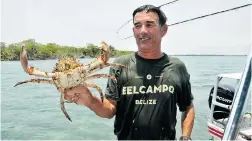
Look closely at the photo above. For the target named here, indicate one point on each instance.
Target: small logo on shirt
(148, 76)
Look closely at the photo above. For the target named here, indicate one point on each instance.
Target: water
(31, 111)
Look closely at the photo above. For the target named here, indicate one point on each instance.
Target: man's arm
(107, 109)
(187, 121)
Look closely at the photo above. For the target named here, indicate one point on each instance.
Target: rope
(131, 19)
(201, 17)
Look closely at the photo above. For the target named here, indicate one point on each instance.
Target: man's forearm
(105, 109)
(187, 121)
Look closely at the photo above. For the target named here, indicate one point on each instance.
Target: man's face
(147, 31)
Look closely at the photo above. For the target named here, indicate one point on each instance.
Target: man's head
(149, 26)
(150, 8)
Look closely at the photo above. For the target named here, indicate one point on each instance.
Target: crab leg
(97, 64)
(29, 69)
(35, 81)
(101, 61)
(101, 66)
(97, 87)
(99, 76)
(114, 65)
(62, 106)
(62, 103)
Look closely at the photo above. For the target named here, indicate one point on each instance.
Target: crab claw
(24, 60)
(29, 69)
(104, 52)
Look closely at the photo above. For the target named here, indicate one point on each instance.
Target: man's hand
(80, 95)
(83, 96)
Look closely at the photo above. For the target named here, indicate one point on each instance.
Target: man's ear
(164, 29)
(133, 29)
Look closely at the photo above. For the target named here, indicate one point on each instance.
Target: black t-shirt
(147, 94)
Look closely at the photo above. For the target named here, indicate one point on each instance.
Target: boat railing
(241, 97)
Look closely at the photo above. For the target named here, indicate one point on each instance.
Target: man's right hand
(105, 109)
(84, 95)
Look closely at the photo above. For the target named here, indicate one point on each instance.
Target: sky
(80, 22)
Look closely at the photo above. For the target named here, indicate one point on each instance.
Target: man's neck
(150, 54)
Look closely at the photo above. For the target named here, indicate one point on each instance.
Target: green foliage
(36, 51)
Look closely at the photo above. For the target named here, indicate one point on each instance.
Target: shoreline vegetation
(49, 51)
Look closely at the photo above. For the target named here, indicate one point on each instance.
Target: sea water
(32, 111)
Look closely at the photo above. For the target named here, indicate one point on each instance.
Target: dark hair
(151, 8)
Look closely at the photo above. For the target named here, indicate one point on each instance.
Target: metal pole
(232, 127)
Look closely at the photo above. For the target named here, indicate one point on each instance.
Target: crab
(69, 73)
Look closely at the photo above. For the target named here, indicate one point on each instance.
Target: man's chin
(145, 46)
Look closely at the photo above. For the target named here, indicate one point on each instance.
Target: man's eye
(138, 26)
(150, 25)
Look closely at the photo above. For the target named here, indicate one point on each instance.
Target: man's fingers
(78, 89)
(60, 89)
(70, 93)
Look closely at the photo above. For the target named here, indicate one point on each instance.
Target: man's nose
(143, 29)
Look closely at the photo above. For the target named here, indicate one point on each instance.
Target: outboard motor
(225, 95)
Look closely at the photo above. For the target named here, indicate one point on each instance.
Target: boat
(228, 119)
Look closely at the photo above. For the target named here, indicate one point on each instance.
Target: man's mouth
(144, 38)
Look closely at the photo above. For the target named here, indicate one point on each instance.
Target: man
(145, 95)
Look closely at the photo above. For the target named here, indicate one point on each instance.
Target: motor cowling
(225, 95)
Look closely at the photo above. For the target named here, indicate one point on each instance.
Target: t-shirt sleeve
(185, 96)
(112, 89)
